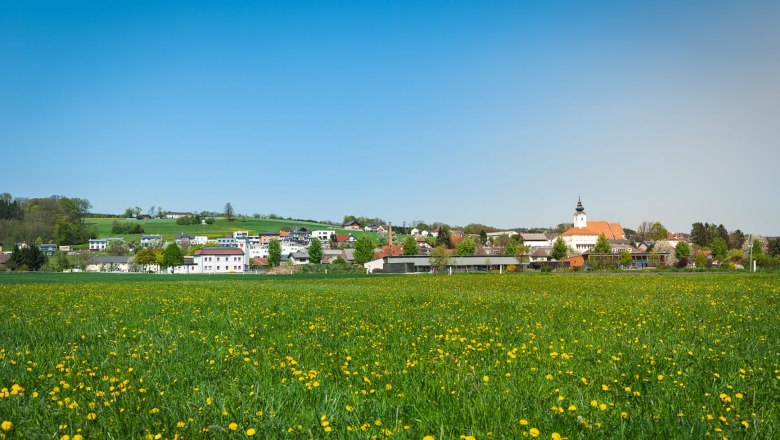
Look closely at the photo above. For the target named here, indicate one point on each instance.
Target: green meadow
(168, 227)
(450, 357)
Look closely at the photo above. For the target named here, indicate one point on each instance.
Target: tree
(511, 245)
(700, 260)
(700, 234)
(145, 257)
(773, 246)
(274, 253)
(559, 249)
(26, 258)
(522, 254)
(439, 258)
(644, 231)
(172, 256)
(483, 237)
(736, 239)
(682, 250)
(467, 246)
(315, 251)
(602, 245)
(410, 246)
(229, 212)
(720, 249)
(658, 231)
(758, 250)
(61, 262)
(364, 249)
(117, 248)
(625, 258)
(443, 237)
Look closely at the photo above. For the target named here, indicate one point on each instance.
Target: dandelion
(250, 432)
(91, 416)
(523, 422)
(6, 425)
(486, 378)
(555, 436)
(233, 426)
(428, 437)
(533, 432)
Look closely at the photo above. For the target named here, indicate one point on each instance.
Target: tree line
(54, 219)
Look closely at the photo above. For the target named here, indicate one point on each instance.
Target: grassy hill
(168, 227)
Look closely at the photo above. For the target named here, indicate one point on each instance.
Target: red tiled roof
(219, 251)
(613, 231)
(342, 237)
(389, 251)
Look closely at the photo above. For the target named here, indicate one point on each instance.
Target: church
(583, 236)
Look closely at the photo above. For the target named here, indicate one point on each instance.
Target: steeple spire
(579, 205)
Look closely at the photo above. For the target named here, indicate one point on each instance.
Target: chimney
(390, 233)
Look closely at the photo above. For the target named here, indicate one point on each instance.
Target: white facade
(98, 244)
(324, 235)
(200, 239)
(212, 262)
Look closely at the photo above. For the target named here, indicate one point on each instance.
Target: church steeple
(579, 205)
(580, 218)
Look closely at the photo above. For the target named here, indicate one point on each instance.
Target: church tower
(580, 219)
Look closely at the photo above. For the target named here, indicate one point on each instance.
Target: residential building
(371, 228)
(353, 226)
(299, 258)
(535, 240)
(48, 248)
(301, 235)
(345, 238)
(101, 244)
(324, 235)
(219, 259)
(172, 214)
(149, 241)
(109, 264)
(227, 242)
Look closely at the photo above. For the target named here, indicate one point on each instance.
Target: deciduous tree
(274, 253)
(315, 251)
(229, 212)
(466, 246)
(602, 245)
(172, 256)
(439, 258)
(682, 250)
(410, 246)
(559, 250)
(364, 249)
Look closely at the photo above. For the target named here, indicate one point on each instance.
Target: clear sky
(479, 111)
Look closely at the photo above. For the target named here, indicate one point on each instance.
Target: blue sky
(494, 112)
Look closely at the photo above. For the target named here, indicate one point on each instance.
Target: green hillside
(168, 227)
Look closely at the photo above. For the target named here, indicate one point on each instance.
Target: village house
(149, 241)
(352, 225)
(219, 259)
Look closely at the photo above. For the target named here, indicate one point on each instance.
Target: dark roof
(353, 222)
(180, 236)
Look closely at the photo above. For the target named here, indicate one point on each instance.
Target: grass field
(168, 227)
(488, 356)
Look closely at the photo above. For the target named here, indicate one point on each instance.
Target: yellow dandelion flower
(250, 432)
(78, 437)
(428, 437)
(745, 424)
(328, 429)
(180, 424)
(556, 436)
(523, 422)
(533, 432)
(233, 426)
(486, 378)
(91, 416)
(6, 425)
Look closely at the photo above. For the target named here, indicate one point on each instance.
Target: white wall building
(324, 235)
(219, 260)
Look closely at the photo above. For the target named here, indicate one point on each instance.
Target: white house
(324, 235)
(109, 264)
(219, 259)
(172, 214)
(148, 241)
(101, 244)
(534, 240)
(584, 235)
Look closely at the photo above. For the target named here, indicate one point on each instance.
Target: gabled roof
(352, 223)
(219, 250)
(529, 236)
(180, 236)
(613, 231)
(342, 237)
